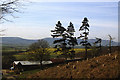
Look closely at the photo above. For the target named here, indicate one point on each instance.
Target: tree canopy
(38, 51)
(39, 44)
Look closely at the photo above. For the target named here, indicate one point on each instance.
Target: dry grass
(106, 66)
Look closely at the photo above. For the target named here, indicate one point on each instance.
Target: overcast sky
(38, 18)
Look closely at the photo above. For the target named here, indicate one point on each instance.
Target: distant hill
(17, 41)
(104, 42)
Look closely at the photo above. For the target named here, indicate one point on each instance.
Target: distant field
(19, 54)
(15, 48)
(23, 56)
(58, 53)
(20, 57)
(11, 52)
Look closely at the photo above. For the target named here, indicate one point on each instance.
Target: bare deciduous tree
(110, 43)
(8, 7)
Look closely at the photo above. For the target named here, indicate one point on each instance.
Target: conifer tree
(60, 44)
(66, 42)
(98, 45)
(84, 36)
(72, 41)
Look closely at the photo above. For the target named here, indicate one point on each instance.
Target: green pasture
(24, 55)
(20, 57)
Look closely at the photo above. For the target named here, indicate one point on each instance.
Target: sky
(73, 0)
(37, 19)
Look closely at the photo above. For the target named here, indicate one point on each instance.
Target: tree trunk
(85, 46)
(110, 46)
(86, 52)
(41, 64)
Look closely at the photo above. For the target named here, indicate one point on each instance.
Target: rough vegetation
(106, 66)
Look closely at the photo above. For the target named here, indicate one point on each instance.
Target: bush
(7, 61)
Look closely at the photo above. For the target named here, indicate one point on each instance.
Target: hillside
(17, 41)
(105, 66)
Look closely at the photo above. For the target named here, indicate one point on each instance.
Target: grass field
(23, 56)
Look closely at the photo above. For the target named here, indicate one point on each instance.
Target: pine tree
(84, 36)
(60, 44)
(72, 41)
(66, 42)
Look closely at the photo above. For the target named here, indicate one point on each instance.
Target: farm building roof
(32, 62)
